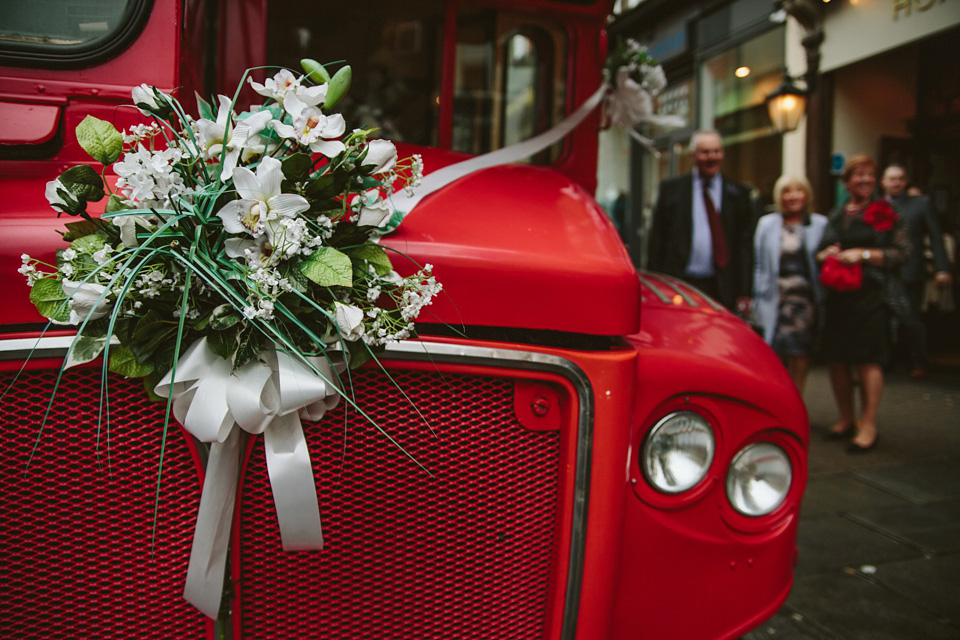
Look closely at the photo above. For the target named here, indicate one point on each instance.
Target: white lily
(86, 300)
(382, 154)
(349, 321)
(261, 205)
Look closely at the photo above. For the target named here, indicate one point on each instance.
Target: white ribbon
(628, 104)
(442, 177)
(267, 396)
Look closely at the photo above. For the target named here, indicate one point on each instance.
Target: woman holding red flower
(867, 234)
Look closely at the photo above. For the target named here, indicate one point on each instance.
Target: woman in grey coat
(786, 286)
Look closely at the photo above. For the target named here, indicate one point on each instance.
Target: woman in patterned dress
(867, 232)
(786, 289)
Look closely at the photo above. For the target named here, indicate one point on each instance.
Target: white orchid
(382, 154)
(277, 86)
(261, 206)
(87, 300)
(235, 143)
(311, 128)
(349, 321)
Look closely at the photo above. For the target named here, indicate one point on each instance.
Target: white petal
(270, 175)
(334, 126)
(230, 214)
(247, 184)
(288, 205)
(329, 148)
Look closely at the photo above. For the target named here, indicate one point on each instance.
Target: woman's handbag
(839, 276)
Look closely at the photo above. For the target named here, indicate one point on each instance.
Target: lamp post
(786, 106)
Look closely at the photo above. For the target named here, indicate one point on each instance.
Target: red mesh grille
(466, 553)
(75, 535)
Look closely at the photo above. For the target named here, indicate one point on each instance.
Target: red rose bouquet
(880, 215)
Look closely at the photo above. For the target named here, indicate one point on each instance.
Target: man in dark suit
(921, 222)
(703, 227)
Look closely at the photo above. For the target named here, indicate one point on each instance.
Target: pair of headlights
(679, 450)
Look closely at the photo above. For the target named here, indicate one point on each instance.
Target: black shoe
(846, 434)
(854, 448)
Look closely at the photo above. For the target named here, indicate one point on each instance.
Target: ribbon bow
(267, 396)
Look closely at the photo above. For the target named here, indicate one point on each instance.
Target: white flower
(68, 254)
(147, 178)
(128, 229)
(261, 205)
(373, 210)
(310, 127)
(235, 143)
(145, 98)
(349, 321)
(382, 154)
(277, 86)
(53, 196)
(86, 300)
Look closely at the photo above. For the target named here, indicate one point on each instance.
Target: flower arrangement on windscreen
(248, 229)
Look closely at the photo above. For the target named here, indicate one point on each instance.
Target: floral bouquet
(236, 269)
(635, 79)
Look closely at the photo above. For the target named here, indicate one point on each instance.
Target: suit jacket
(921, 221)
(766, 243)
(668, 249)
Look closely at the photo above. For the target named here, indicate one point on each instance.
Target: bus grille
(80, 559)
(460, 548)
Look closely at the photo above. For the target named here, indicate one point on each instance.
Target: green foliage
(328, 267)
(100, 140)
(47, 295)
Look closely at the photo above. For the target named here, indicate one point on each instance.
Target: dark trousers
(912, 331)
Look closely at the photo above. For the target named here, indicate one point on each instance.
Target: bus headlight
(759, 479)
(678, 452)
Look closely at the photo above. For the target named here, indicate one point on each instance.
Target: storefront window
(733, 88)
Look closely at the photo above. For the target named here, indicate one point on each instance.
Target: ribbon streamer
(267, 396)
(628, 104)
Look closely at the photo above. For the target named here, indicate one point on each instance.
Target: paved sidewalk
(879, 533)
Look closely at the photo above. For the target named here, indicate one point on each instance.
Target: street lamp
(786, 106)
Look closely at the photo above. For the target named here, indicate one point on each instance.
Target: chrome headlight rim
(744, 465)
(657, 435)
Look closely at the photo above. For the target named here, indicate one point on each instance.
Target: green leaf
(224, 317)
(224, 343)
(296, 167)
(123, 362)
(82, 228)
(83, 182)
(100, 139)
(315, 71)
(89, 244)
(204, 108)
(374, 254)
(338, 86)
(116, 203)
(151, 333)
(328, 268)
(48, 297)
(86, 349)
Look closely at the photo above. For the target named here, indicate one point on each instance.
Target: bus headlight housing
(759, 479)
(678, 452)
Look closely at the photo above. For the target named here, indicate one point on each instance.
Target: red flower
(880, 215)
